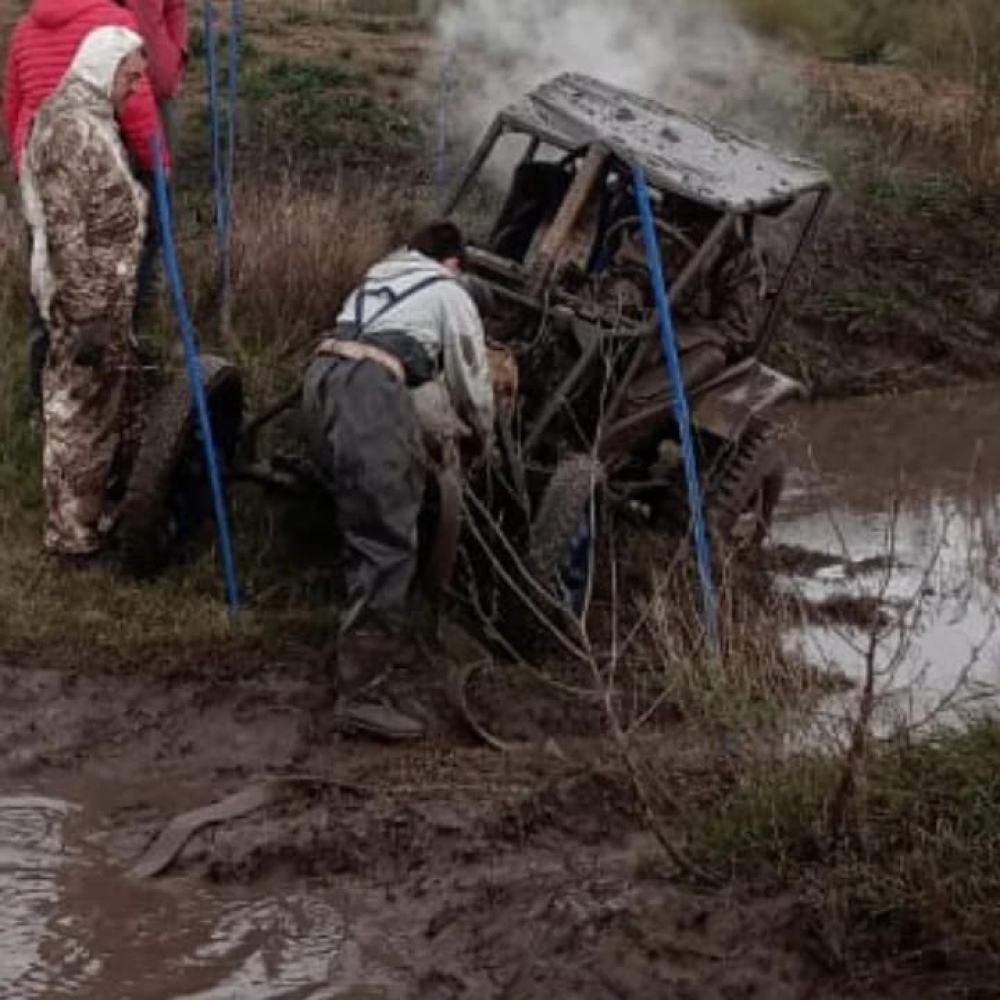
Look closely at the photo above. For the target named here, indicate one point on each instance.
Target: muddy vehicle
(567, 270)
(587, 426)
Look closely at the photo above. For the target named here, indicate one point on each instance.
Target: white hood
(100, 54)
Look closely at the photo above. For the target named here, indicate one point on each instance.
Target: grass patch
(297, 252)
(917, 888)
(299, 79)
(323, 112)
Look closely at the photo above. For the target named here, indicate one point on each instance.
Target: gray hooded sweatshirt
(441, 318)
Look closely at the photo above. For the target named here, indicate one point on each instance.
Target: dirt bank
(898, 293)
(471, 873)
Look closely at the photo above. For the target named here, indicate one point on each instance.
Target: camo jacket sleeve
(91, 218)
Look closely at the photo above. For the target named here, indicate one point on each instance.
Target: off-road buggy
(591, 427)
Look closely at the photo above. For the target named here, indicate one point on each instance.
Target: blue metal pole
(681, 413)
(215, 132)
(194, 375)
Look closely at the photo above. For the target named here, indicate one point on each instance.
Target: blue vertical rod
(682, 414)
(194, 375)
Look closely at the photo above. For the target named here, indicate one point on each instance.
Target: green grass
(916, 890)
(299, 79)
(947, 36)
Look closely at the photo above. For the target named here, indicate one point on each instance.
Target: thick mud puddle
(74, 924)
(889, 533)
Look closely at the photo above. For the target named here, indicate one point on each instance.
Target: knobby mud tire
(752, 478)
(565, 502)
(145, 543)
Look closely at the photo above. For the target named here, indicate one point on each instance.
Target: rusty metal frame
(639, 358)
(486, 145)
(561, 396)
(544, 258)
(770, 323)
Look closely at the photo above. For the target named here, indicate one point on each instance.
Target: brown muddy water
(889, 531)
(73, 924)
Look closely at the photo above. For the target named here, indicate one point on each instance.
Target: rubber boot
(366, 658)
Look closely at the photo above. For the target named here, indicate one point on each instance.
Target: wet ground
(450, 870)
(444, 872)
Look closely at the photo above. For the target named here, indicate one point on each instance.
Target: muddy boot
(366, 658)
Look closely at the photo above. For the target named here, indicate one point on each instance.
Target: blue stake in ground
(194, 375)
(681, 412)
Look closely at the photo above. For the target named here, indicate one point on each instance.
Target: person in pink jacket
(164, 28)
(42, 46)
(163, 25)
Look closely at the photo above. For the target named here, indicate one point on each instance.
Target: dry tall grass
(936, 89)
(297, 252)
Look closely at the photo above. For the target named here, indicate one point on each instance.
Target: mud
(442, 871)
(894, 297)
(449, 870)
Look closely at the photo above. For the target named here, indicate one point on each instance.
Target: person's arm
(140, 123)
(466, 366)
(11, 101)
(175, 15)
(86, 202)
(164, 49)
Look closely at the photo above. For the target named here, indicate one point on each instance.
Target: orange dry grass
(945, 119)
(297, 252)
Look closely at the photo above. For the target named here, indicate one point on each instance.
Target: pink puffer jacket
(164, 27)
(41, 49)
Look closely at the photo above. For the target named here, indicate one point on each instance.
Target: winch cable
(441, 146)
(192, 360)
(215, 136)
(223, 160)
(235, 32)
(668, 340)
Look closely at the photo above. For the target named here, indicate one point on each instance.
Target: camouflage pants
(90, 406)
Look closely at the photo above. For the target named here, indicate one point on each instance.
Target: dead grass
(916, 892)
(919, 75)
(297, 252)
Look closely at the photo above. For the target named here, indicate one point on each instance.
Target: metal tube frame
(808, 231)
(720, 231)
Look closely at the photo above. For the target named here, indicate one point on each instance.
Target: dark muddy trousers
(363, 435)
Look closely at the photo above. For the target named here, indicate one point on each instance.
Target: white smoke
(689, 53)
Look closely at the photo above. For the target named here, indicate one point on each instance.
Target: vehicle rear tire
(742, 499)
(168, 500)
(565, 507)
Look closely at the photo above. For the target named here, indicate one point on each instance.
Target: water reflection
(72, 924)
(917, 479)
(31, 854)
